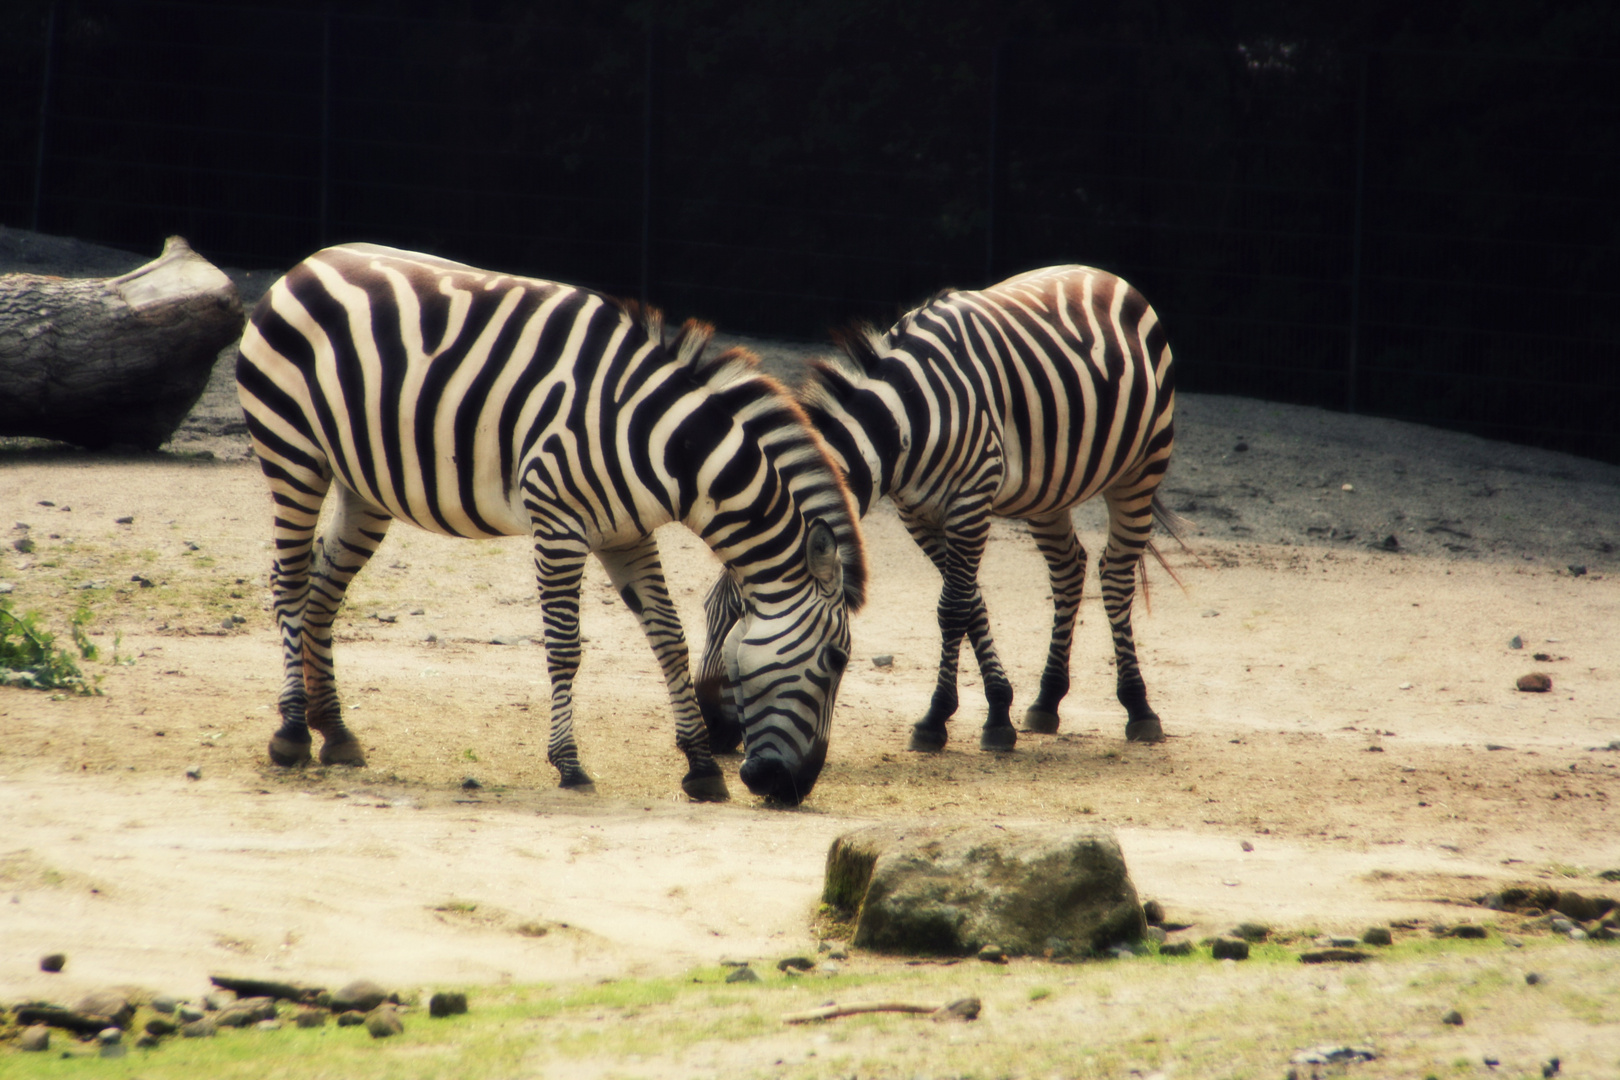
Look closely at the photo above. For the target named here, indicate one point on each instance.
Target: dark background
(1408, 210)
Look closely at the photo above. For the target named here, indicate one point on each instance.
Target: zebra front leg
(1129, 520)
(1066, 564)
(639, 576)
(956, 552)
(721, 610)
(346, 545)
(559, 569)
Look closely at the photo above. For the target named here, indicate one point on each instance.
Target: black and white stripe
(477, 404)
(1022, 400)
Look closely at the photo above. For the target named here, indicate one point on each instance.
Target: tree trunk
(117, 361)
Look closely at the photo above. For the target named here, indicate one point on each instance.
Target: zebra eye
(836, 659)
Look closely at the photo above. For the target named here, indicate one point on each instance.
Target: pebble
(112, 1042)
(828, 967)
(53, 962)
(216, 1000)
(1155, 934)
(194, 773)
(1251, 931)
(268, 1025)
(35, 1039)
(1153, 912)
(1176, 948)
(351, 1018)
(161, 1026)
(1229, 949)
(1536, 682)
(447, 1003)
(361, 995)
(743, 974)
(310, 1018)
(165, 1003)
(190, 1013)
(1344, 942)
(383, 1022)
(1378, 935)
(798, 963)
(886, 660)
(1531, 978)
(200, 1029)
(1452, 1017)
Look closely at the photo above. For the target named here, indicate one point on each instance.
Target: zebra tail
(1178, 528)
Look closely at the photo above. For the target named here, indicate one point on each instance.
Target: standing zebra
(477, 404)
(1022, 400)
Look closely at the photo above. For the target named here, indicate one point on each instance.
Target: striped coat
(477, 404)
(1021, 400)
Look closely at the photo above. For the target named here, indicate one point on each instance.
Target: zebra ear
(821, 557)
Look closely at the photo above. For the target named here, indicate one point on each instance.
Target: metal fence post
(1353, 360)
(44, 113)
(649, 120)
(993, 161)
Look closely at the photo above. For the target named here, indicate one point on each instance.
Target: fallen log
(960, 1009)
(104, 362)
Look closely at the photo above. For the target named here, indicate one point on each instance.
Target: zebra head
(784, 659)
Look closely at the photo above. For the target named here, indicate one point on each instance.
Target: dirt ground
(1343, 703)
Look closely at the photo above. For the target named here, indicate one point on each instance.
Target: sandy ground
(1344, 705)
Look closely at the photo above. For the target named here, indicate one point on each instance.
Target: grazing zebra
(477, 404)
(1022, 401)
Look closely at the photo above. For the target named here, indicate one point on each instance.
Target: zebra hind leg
(1066, 563)
(639, 576)
(346, 545)
(1129, 519)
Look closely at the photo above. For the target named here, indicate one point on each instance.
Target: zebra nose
(768, 776)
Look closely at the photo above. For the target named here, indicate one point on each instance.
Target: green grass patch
(30, 657)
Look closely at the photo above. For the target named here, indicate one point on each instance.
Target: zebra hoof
(705, 787)
(926, 740)
(288, 753)
(1145, 730)
(343, 752)
(1040, 722)
(998, 739)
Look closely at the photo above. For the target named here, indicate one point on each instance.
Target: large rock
(954, 889)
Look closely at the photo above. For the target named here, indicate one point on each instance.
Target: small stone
(216, 1000)
(744, 974)
(1252, 931)
(1536, 682)
(1516, 642)
(1452, 1017)
(1344, 942)
(36, 1038)
(993, 954)
(1241, 448)
(1153, 912)
(447, 1003)
(797, 963)
(112, 1042)
(147, 1041)
(1246, 846)
(53, 962)
(24, 546)
(166, 1004)
(1576, 570)
(351, 1018)
(1155, 934)
(886, 660)
(127, 519)
(471, 783)
(1468, 930)
(1531, 978)
(310, 1018)
(160, 1026)
(1332, 956)
(190, 1014)
(267, 1025)
(199, 1029)
(1378, 935)
(361, 995)
(194, 773)
(143, 581)
(383, 1022)
(1391, 543)
(828, 967)
(1347, 487)
(1176, 948)
(1223, 948)
(107, 1003)
(838, 952)
(960, 1009)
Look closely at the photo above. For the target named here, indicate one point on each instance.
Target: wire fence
(1401, 233)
